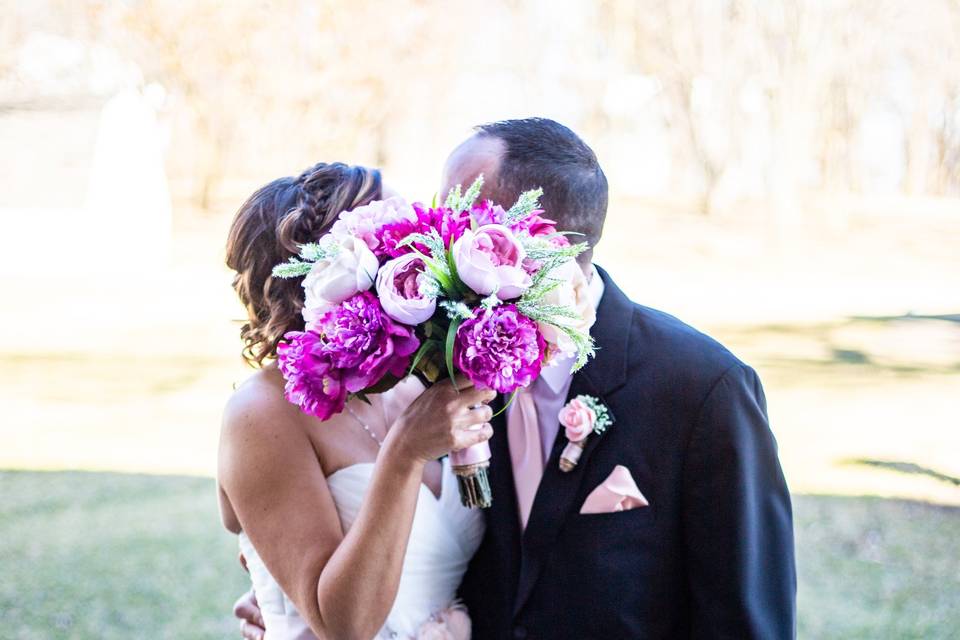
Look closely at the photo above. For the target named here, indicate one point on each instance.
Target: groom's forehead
(476, 155)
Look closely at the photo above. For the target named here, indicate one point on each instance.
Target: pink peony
(312, 382)
(486, 212)
(367, 221)
(500, 349)
(444, 221)
(491, 259)
(577, 419)
(399, 285)
(364, 343)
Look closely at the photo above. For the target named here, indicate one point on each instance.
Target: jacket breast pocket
(610, 528)
(613, 521)
(611, 554)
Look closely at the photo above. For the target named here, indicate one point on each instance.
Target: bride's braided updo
(268, 229)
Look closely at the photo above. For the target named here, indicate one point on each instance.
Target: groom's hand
(246, 608)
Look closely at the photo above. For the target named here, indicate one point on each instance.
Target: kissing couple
(637, 496)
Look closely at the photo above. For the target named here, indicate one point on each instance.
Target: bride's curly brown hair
(268, 229)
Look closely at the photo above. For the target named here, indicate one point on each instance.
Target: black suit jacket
(710, 557)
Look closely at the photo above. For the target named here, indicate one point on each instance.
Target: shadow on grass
(906, 467)
(946, 317)
(855, 346)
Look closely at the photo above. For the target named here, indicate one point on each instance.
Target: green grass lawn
(105, 555)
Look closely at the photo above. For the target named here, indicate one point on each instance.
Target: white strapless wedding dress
(444, 537)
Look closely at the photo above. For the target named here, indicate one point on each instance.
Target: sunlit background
(785, 176)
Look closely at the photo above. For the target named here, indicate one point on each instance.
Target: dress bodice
(443, 538)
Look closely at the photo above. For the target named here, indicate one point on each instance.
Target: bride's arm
(343, 585)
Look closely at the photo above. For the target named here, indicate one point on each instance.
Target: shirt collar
(595, 287)
(557, 375)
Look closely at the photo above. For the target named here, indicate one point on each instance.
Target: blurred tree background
(770, 101)
(784, 174)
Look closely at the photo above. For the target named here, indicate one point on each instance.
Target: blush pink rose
(491, 259)
(399, 283)
(577, 419)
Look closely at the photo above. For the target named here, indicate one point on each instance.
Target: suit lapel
(557, 493)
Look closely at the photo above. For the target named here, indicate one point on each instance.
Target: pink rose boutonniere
(580, 417)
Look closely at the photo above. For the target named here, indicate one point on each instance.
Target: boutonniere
(580, 417)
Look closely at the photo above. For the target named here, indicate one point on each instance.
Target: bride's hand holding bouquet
(442, 419)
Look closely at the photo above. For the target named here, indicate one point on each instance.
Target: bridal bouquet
(395, 289)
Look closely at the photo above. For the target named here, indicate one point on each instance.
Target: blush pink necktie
(523, 436)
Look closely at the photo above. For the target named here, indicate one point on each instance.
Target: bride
(351, 527)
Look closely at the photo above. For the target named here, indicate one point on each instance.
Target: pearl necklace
(366, 428)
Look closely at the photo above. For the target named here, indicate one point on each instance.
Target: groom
(676, 522)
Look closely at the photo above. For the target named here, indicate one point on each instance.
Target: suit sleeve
(737, 519)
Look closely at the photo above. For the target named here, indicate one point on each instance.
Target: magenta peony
(313, 384)
(399, 284)
(448, 224)
(534, 224)
(364, 343)
(500, 349)
(542, 227)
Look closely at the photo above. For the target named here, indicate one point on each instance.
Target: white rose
(351, 269)
(575, 294)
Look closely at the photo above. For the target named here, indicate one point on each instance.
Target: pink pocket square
(617, 493)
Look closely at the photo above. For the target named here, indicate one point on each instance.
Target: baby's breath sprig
(313, 251)
(456, 309)
(560, 316)
(430, 287)
(461, 202)
(309, 253)
(604, 419)
(526, 204)
(551, 257)
(292, 269)
(490, 301)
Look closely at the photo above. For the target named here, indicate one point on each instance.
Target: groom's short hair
(539, 152)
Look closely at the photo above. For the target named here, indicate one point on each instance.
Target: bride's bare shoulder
(264, 445)
(258, 403)
(261, 434)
